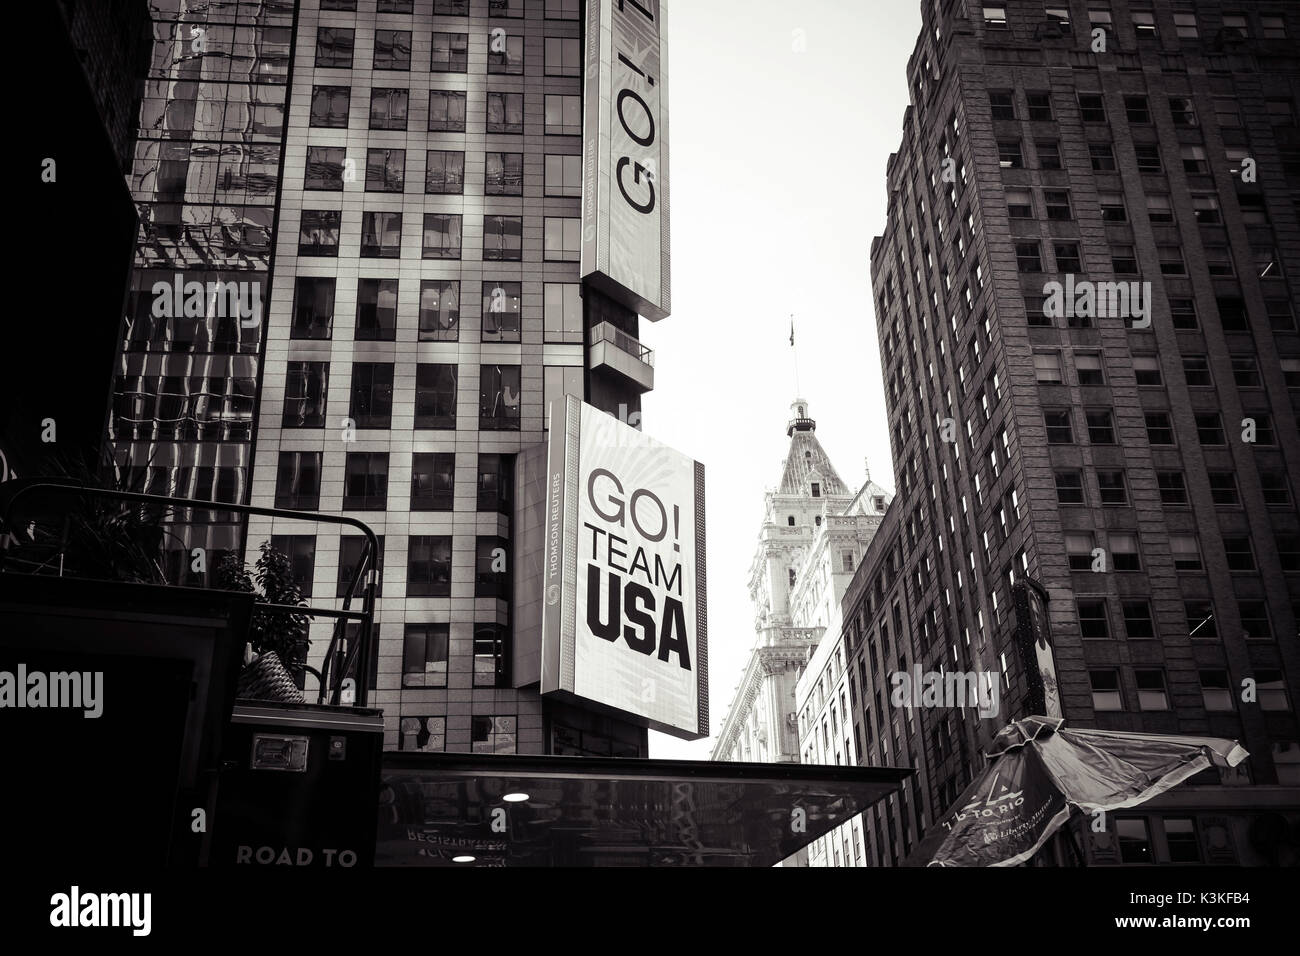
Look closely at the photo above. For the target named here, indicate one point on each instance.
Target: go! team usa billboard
(625, 615)
(625, 235)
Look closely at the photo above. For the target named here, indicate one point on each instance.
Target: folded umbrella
(1039, 770)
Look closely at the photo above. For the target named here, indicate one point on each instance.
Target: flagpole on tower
(795, 353)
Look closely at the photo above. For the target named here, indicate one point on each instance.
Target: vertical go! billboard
(625, 235)
(625, 623)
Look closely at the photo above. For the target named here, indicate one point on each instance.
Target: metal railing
(339, 658)
(606, 332)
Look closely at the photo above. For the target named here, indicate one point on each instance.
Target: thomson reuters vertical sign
(625, 619)
(625, 247)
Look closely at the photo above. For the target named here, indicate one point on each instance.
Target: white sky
(777, 164)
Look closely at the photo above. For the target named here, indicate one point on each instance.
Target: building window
(503, 238)
(1124, 554)
(1254, 620)
(422, 734)
(1239, 553)
(1079, 546)
(325, 168)
(562, 312)
(1148, 157)
(435, 396)
(428, 566)
(505, 114)
(1102, 156)
(1159, 429)
(392, 49)
(1111, 488)
(563, 115)
(1067, 255)
(376, 310)
(1223, 488)
(1092, 619)
(499, 398)
(444, 171)
(1059, 429)
(1237, 22)
(1047, 368)
(1277, 491)
(1186, 552)
(372, 394)
(442, 232)
(329, 106)
(1088, 367)
(995, 18)
(1209, 428)
(1196, 370)
(351, 547)
(439, 310)
(504, 175)
(1057, 202)
(1134, 840)
(1105, 690)
(388, 108)
(563, 175)
(501, 311)
(1059, 14)
(1069, 487)
(313, 308)
(1137, 110)
(334, 48)
(1010, 155)
(1272, 690)
(1273, 27)
(1185, 25)
(495, 482)
(1101, 430)
(1092, 108)
(1020, 204)
(318, 234)
(1003, 105)
(563, 239)
(491, 567)
(563, 56)
(306, 385)
(491, 656)
(1049, 154)
(1216, 693)
(1028, 257)
(300, 549)
(493, 735)
(1183, 111)
(297, 481)
(1200, 619)
(1151, 690)
(1183, 313)
(507, 58)
(1159, 208)
(365, 484)
(1137, 620)
(1245, 372)
(424, 655)
(381, 235)
(433, 481)
(450, 53)
(446, 111)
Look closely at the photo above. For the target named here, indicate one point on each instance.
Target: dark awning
(596, 811)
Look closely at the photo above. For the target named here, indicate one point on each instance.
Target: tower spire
(795, 353)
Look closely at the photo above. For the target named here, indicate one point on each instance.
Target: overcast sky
(783, 116)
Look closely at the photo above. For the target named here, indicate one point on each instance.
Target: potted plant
(277, 638)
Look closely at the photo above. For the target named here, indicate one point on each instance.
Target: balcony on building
(614, 350)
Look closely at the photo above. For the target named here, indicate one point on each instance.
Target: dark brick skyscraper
(1140, 460)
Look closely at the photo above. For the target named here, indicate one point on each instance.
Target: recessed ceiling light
(515, 797)
(462, 859)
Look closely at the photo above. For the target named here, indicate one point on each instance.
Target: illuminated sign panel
(624, 620)
(625, 155)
